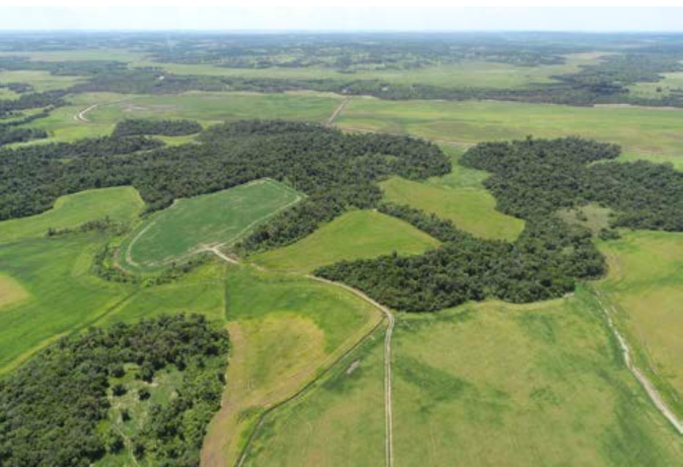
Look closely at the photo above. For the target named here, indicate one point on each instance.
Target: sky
(608, 19)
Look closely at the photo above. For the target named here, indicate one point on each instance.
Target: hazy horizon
(345, 19)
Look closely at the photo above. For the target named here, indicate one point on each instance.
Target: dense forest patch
(50, 407)
(335, 170)
(532, 179)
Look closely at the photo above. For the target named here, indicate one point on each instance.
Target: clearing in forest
(353, 235)
(472, 210)
(193, 224)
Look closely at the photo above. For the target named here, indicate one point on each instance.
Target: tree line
(336, 170)
(51, 407)
(138, 127)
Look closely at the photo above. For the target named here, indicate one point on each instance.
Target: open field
(471, 210)
(122, 204)
(639, 130)
(353, 235)
(205, 107)
(284, 331)
(63, 295)
(645, 287)
(109, 54)
(467, 73)
(338, 422)
(670, 82)
(40, 80)
(549, 389)
(195, 223)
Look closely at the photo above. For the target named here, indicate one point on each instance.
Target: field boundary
(642, 379)
(208, 247)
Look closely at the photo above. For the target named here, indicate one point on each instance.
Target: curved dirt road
(80, 116)
(389, 438)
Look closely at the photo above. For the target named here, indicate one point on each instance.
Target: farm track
(80, 116)
(389, 445)
(646, 384)
(337, 111)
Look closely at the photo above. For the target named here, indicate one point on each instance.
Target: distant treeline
(531, 179)
(336, 170)
(138, 127)
(51, 407)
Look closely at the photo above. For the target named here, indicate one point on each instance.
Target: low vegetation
(353, 235)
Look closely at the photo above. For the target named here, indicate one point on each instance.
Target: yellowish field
(40, 80)
(471, 210)
(11, 291)
(353, 235)
(645, 285)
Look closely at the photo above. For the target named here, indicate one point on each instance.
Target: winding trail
(388, 314)
(650, 388)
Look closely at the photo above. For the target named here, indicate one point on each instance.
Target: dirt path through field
(389, 419)
(337, 111)
(650, 388)
(80, 116)
(389, 442)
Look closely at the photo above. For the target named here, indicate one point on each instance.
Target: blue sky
(379, 18)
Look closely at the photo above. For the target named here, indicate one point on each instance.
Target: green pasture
(471, 210)
(284, 331)
(62, 295)
(208, 108)
(670, 82)
(538, 384)
(645, 289)
(121, 204)
(468, 73)
(40, 80)
(640, 130)
(353, 235)
(194, 223)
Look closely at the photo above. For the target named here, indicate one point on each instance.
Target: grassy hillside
(190, 224)
(284, 330)
(121, 204)
(353, 235)
(639, 130)
(645, 286)
(471, 210)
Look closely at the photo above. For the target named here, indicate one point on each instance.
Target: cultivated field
(284, 331)
(193, 224)
(354, 235)
(645, 287)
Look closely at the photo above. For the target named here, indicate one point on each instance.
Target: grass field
(470, 209)
(353, 235)
(539, 384)
(467, 73)
(63, 295)
(639, 130)
(670, 82)
(194, 223)
(645, 285)
(284, 329)
(122, 204)
(40, 80)
(207, 108)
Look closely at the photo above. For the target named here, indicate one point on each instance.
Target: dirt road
(389, 430)
(337, 111)
(80, 116)
(389, 419)
(650, 389)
